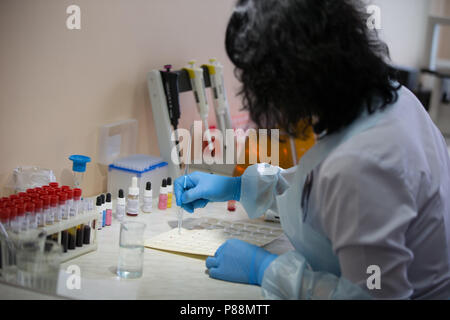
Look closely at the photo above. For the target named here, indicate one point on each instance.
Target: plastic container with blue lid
(144, 167)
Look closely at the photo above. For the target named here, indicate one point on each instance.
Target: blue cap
(79, 162)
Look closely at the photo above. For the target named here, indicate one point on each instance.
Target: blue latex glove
(239, 261)
(204, 187)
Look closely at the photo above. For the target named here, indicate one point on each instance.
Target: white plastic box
(144, 167)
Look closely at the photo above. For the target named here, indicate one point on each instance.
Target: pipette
(215, 70)
(198, 87)
(186, 171)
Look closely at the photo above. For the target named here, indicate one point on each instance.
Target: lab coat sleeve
(260, 184)
(290, 277)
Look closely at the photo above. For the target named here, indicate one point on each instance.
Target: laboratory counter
(166, 275)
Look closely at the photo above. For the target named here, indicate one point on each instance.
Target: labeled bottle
(162, 201)
(148, 198)
(133, 198)
(99, 208)
(104, 210)
(108, 209)
(120, 206)
(169, 192)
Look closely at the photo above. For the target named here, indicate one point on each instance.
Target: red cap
(46, 201)
(29, 207)
(77, 194)
(42, 192)
(51, 192)
(69, 194)
(13, 197)
(26, 199)
(65, 188)
(54, 201)
(57, 190)
(34, 196)
(4, 199)
(46, 187)
(37, 189)
(38, 204)
(8, 204)
(62, 197)
(17, 202)
(4, 214)
(20, 210)
(22, 194)
(53, 184)
(30, 191)
(12, 213)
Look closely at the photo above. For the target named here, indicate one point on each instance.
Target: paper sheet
(205, 242)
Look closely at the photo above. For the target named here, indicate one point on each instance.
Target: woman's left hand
(239, 261)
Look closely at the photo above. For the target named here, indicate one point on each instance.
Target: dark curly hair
(300, 59)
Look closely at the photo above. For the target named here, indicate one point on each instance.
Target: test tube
(77, 201)
(69, 203)
(45, 208)
(54, 210)
(5, 217)
(40, 217)
(63, 212)
(30, 214)
(22, 224)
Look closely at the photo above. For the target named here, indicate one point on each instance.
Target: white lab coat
(381, 198)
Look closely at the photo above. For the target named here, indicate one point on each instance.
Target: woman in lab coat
(368, 207)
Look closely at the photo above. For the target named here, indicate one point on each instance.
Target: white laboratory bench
(166, 275)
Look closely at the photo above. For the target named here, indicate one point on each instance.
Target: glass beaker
(131, 253)
(38, 266)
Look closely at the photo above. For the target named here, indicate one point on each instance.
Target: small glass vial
(148, 198)
(162, 201)
(120, 206)
(133, 199)
(232, 205)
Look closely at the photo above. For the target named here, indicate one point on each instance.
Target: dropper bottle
(120, 206)
(133, 198)
(148, 198)
(162, 201)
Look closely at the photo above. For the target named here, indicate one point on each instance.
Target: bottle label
(50, 217)
(100, 220)
(71, 208)
(133, 206)
(120, 212)
(148, 203)
(63, 214)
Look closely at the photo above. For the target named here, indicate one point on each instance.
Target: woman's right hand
(202, 188)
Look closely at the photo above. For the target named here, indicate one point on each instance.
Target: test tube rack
(86, 218)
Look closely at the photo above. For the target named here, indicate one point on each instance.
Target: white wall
(404, 29)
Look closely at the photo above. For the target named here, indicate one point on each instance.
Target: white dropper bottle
(133, 198)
